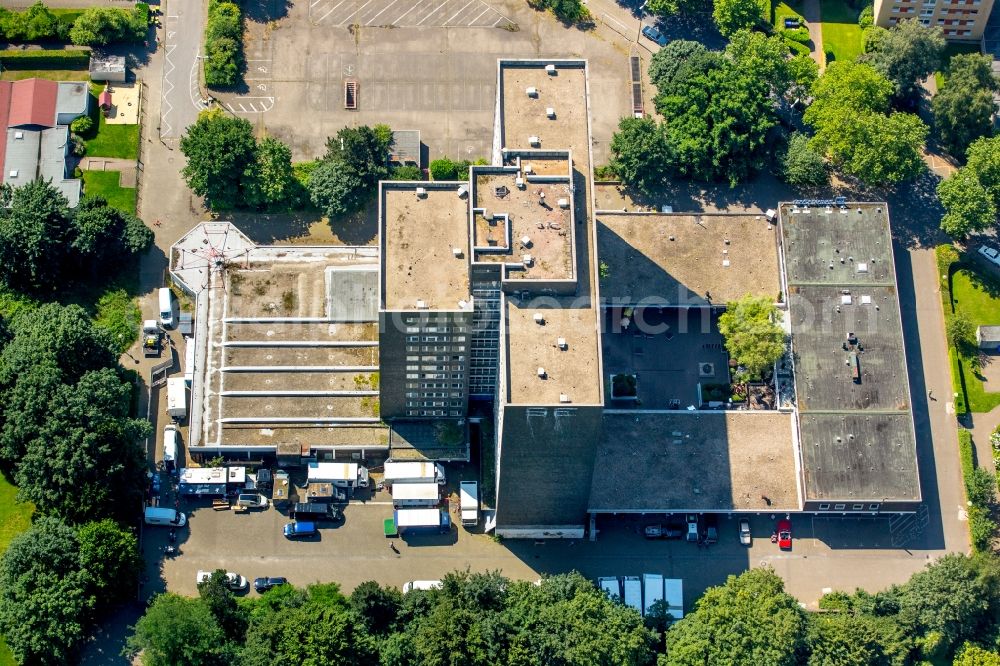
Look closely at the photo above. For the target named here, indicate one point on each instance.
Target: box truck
(422, 521)
(652, 592)
(633, 592)
(612, 586)
(405, 495)
(414, 472)
(468, 492)
(344, 475)
(176, 398)
(674, 594)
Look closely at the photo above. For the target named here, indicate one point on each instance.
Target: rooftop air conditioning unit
(527, 259)
(462, 191)
(532, 91)
(527, 168)
(534, 141)
(421, 192)
(421, 305)
(563, 397)
(18, 135)
(519, 182)
(539, 318)
(457, 251)
(541, 372)
(551, 113)
(562, 343)
(487, 215)
(550, 70)
(564, 203)
(526, 241)
(13, 173)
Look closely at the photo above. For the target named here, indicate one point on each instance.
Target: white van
(171, 439)
(420, 585)
(161, 515)
(166, 308)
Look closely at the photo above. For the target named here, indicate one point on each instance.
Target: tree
(105, 236)
(99, 26)
(968, 205)
(176, 631)
(845, 639)
(110, 555)
(347, 176)
(45, 602)
(376, 606)
(963, 107)
(674, 78)
(973, 655)
(443, 169)
(667, 8)
(567, 11)
(85, 460)
(802, 165)
(218, 598)
(406, 172)
(733, 15)
(766, 58)
(905, 54)
(751, 333)
(666, 62)
(639, 153)
(273, 171)
(748, 621)
(888, 149)
(983, 159)
(961, 332)
(25, 406)
(221, 157)
(35, 235)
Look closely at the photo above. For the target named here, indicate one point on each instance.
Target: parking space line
(433, 12)
(498, 20)
(479, 17)
(314, 3)
(357, 14)
(400, 18)
(372, 19)
(323, 17)
(459, 12)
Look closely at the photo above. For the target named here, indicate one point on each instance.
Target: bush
(980, 491)
(567, 11)
(800, 35)
(44, 59)
(407, 172)
(98, 26)
(223, 44)
(444, 169)
(867, 17)
(796, 48)
(34, 24)
(81, 125)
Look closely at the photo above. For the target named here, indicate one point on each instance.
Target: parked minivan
(166, 308)
(160, 515)
(252, 501)
(171, 438)
(300, 530)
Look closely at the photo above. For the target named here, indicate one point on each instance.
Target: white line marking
(253, 107)
(400, 18)
(369, 21)
(497, 21)
(243, 108)
(433, 12)
(358, 12)
(314, 3)
(230, 107)
(320, 19)
(459, 12)
(479, 17)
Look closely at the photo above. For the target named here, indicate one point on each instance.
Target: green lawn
(50, 74)
(15, 517)
(841, 32)
(105, 183)
(109, 140)
(981, 302)
(783, 9)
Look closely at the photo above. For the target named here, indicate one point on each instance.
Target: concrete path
(106, 164)
(811, 12)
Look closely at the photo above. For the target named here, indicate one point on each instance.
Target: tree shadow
(265, 11)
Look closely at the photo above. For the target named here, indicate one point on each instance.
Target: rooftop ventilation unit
(421, 192)
(13, 173)
(534, 141)
(531, 92)
(421, 305)
(845, 299)
(561, 342)
(527, 168)
(564, 203)
(866, 300)
(462, 191)
(551, 113)
(487, 215)
(541, 373)
(457, 251)
(539, 318)
(527, 259)
(519, 182)
(18, 135)
(526, 241)
(550, 70)
(563, 397)
(862, 267)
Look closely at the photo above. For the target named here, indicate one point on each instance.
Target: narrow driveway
(813, 16)
(184, 24)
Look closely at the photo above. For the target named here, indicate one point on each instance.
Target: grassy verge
(15, 517)
(105, 184)
(105, 140)
(50, 74)
(841, 32)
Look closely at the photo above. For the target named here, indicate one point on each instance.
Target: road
(183, 26)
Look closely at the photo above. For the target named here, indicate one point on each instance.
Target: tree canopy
(733, 15)
(801, 164)
(668, 61)
(347, 176)
(177, 631)
(751, 333)
(670, 7)
(639, 153)
(968, 205)
(983, 159)
(221, 154)
(963, 107)
(905, 54)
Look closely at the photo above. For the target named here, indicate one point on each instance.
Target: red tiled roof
(33, 102)
(5, 94)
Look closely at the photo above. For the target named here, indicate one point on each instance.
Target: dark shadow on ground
(693, 27)
(104, 647)
(265, 11)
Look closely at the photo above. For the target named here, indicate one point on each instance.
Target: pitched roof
(33, 102)
(6, 88)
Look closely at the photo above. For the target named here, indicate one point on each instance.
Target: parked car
(300, 530)
(785, 534)
(264, 584)
(711, 528)
(652, 33)
(663, 532)
(251, 501)
(233, 580)
(745, 537)
(991, 254)
(692, 528)
(314, 511)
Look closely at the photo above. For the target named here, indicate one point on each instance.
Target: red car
(785, 534)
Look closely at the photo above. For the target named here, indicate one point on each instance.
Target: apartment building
(959, 20)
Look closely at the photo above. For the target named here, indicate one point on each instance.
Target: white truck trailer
(673, 589)
(652, 592)
(344, 475)
(612, 586)
(633, 592)
(468, 492)
(176, 398)
(414, 472)
(416, 495)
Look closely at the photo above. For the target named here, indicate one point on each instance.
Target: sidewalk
(813, 16)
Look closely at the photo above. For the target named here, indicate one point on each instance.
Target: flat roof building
(958, 21)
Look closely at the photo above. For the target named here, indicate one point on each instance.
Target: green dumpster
(389, 528)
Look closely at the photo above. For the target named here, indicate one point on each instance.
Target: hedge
(75, 59)
(223, 44)
(796, 48)
(981, 526)
(800, 35)
(947, 257)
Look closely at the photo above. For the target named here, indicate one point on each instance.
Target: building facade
(959, 20)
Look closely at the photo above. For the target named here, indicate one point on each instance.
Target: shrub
(44, 59)
(34, 24)
(81, 125)
(444, 169)
(867, 17)
(980, 490)
(223, 44)
(98, 26)
(800, 35)
(407, 172)
(796, 48)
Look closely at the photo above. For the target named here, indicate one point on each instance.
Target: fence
(143, 138)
